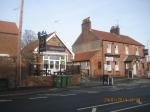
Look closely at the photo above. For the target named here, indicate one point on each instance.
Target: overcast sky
(65, 16)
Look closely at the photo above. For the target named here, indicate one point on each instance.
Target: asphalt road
(94, 99)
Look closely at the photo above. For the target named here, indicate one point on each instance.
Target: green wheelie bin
(57, 81)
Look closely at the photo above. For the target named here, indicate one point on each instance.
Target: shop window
(46, 64)
(51, 64)
(63, 64)
(57, 64)
(54, 57)
(46, 57)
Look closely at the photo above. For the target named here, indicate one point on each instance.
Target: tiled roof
(8, 27)
(32, 45)
(85, 56)
(106, 36)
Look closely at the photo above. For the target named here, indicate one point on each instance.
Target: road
(94, 99)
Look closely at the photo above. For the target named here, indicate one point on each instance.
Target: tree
(28, 36)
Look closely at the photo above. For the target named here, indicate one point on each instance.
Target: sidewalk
(118, 82)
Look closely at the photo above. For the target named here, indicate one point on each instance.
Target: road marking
(67, 94)
(95, 106)
(92, 92)
(6, 100)
(94, 109)
(33, 98)
(58, 94)
(128, 108)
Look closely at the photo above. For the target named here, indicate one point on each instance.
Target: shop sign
(55, 48)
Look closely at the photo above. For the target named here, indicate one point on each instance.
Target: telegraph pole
(19, 43)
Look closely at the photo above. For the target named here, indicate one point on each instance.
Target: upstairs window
(108, 48)
(116, 49)
(137, 51)
(126, 50)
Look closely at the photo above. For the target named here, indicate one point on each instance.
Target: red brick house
(8, 51)
(8, 38)
(56, 54)
(108, 52)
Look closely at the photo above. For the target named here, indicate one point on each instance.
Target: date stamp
(122, 99)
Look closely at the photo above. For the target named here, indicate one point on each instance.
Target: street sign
(42, 41)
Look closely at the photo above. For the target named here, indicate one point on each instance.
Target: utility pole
(148, 55)
(19, 44)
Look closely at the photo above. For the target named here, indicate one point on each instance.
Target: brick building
(56, 55)
(8, 52)
(108, 52)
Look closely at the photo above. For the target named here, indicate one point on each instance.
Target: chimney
(86, 25)
(115, 30)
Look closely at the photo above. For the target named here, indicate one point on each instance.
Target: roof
(34, 44)
(84, 56)
(8, 27)
(106, 36)
(130, 58)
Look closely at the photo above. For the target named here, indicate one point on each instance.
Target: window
(46, 57)
(126, 50)
(46, 64)
(57, 64)
(116, 49)
(54, 57)
(108, 48)
(51, 64)
(116, 66)
(127, 66)
(108, 66)
(136, 51)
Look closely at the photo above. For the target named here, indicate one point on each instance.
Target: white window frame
(127, 50)
(109, 66)
(116, 49)
(137, 51)
(117, 66)
(109, 48)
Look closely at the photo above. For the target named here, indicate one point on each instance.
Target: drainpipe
(102, 59)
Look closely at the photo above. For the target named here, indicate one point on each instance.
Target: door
(54, 66)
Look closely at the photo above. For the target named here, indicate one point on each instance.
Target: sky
(65, 17)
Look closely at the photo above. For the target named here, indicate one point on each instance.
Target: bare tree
(28, 36)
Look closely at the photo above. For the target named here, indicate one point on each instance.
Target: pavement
(121, 83)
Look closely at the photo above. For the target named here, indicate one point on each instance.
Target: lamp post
(148, 42)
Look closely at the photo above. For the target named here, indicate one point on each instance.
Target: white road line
(92, 92)
(67, 94)
(58, 94)
(95, 106)
(133, 107)
(33, 98)
(6, 100)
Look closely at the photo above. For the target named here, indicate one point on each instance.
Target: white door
(134, 69)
